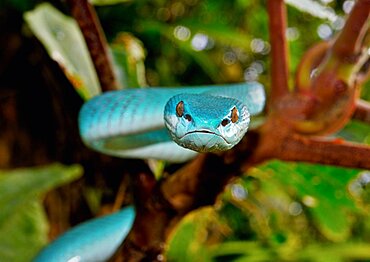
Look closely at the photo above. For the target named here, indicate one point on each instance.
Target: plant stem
(348, 45)
(89, 24)
(279, 49)
(362, 111)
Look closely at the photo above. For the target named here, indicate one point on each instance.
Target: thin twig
(91, 29)
(362, 111)
(279, 49)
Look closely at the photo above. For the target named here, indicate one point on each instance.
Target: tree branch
(348, 45)
(336, 152)
(90, 27)
(362, 111)
(279, 49)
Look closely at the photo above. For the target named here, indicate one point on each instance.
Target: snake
(172, 124)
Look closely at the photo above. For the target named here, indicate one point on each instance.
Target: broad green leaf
(20, 185)
(24, 232)
(192, 234)
(242, 251)
(314, 8)
(23, 225)
(349, 251)
(255, 251)
(64, 42)
(326, 186)
(108, 2)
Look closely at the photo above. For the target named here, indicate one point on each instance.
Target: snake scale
(171, 124)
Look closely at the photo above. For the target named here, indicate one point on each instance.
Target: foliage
(23, 223)
(65, 44)
(281, 211)
(278, 211)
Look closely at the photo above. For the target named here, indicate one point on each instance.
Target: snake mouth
(204, 131)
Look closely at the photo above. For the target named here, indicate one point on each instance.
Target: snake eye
(188, 117)
(180, 109)
(225, 122)
(234, 115)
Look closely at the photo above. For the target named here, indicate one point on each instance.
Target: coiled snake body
(153, 123)
(131, 123)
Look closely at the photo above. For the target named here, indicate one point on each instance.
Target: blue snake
(171, 124)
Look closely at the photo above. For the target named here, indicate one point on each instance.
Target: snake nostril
(225, 122)
(188, 117)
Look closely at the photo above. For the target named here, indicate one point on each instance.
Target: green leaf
(23, 225)
(356, 131)
(191, 235)
(242, 251)
(327, 188)
(108, 2)
(20, 185)
(313, 8)
(349, 251)
(21, 5)
(201, 58)
(64, 42)
(24, 232)
(221, 33)
(129, 55)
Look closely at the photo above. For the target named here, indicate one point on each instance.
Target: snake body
(95, 240)
(131, 124)
(144, 123)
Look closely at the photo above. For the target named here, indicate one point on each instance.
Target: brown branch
(348, 45)
(91, 29)
(336, 86)
(310, 60)
(276, 140)
(364, 74)
(279, 49)
(338, 153)
(165, 203)
(362, 111)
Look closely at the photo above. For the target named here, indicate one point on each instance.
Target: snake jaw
(204, 131)
(204, 140)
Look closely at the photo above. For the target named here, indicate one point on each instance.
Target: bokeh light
(324, 31)
(182, 33)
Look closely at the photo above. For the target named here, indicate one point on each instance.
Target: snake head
(206, 123)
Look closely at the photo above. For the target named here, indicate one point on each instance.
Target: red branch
(339, 153)
(279, 49)
(349, 42)
(95, 40)
(362, 111)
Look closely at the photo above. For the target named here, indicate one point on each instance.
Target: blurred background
(49, 181)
